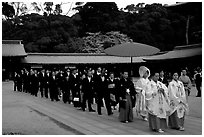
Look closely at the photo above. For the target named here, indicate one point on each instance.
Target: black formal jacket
(42, 79)
(18, 79)
(60, 80)
(53, 83)
(48, 79)
(26, 79)
(198, 79)
(35, 81)
(101, 87)
(74, 81)
(127, 84)
(88, 87)
(66, 83)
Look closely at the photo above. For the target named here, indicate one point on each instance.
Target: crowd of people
(157, 99)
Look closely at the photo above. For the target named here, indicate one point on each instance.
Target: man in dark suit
(35, 83)
(88, 91)
(42, 82)
(23, 79)
(15, 81)
(47, 82)
(31, 73)
(26, 81)
(20, 80)
(103, 92)
(53, 87)
(74, 81)
(60, 81)
(198, 82)
(66, 87)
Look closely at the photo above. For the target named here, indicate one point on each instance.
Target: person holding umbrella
(141, 89)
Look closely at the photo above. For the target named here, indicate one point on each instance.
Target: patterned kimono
(178, 104)
(187, 84)
(157, 105)
(141, 88)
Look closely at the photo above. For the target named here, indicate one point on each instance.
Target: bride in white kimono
(141, 87)
(178, 103)
(157, 104)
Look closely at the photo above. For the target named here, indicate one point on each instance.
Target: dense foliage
(97, 26)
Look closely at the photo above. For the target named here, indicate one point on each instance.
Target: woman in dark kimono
(126, 98)
(111, 82)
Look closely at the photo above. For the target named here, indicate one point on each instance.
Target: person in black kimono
(112, 83)
(75, 88)
(88, 91)
(127, 97)
(42, 82)
(53, 87)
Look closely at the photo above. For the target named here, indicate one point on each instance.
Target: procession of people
(161, 103)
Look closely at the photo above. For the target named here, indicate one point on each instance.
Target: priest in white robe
(157, 102)
(178, 103)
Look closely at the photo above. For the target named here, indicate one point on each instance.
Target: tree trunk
(187, 28)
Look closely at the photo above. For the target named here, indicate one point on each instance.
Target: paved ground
(26, 114)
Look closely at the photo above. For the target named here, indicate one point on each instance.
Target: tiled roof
(178, 52)
(10, 49)
(76, 58)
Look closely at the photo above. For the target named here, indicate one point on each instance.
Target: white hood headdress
(142, 71)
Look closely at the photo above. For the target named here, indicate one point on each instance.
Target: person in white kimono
(157, 102)
(178, 103)
(141, 87)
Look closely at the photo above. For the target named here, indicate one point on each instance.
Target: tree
(48, 7)
(134, 8)
(58, 9)
(97, 42)
(7, 10)
(96, 16)
(97, 26)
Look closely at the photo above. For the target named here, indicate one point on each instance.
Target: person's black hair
(89, 70)
(153, 73)
(125, 70)
(111, 73)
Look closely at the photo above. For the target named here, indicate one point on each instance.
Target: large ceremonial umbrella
(131, 49)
